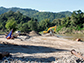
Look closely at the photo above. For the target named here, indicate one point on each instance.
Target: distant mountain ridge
(36, 14)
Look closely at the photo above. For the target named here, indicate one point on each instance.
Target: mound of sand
(34, 33)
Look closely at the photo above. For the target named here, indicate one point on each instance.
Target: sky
(45, 5)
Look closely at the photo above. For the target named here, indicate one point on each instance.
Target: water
(71, 36)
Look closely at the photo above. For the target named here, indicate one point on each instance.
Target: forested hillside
(18, 21)
(69, 24)
(36, 14)
(12, 20)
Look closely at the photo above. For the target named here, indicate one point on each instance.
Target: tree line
(74, 22)
(18, 21)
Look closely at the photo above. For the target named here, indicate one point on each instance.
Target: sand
(42, 49)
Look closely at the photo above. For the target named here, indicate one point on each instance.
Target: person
(51, 32)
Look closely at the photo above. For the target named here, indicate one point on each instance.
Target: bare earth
(41, 48)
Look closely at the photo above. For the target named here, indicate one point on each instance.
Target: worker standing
(51, 32)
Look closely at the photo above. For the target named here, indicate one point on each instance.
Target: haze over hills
(37, 14)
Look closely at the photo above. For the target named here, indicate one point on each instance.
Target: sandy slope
(41, 47)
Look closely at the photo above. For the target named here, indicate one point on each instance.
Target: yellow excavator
(53, 28)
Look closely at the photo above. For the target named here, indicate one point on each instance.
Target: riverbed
(44, 49)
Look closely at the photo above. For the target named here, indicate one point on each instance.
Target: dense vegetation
(18, 21)
(36, 14)
(12, 19)
(69, 24)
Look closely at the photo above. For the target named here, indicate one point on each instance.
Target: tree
(44, 24)
(24, 28)
(11, 24)
(77, 17)
(32, 24)
(67, 22)
(56, 22)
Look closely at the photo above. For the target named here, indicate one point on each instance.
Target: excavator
(53, 28)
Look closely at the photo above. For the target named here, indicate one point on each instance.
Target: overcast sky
(45, 5)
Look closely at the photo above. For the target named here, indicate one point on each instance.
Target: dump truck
(53, 28)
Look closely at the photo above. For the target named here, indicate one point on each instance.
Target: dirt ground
(41, 48)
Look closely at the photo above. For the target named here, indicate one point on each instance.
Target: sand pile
(34, 33)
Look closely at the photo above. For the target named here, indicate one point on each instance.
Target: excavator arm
(54, 29)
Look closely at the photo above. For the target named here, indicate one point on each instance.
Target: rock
(78, 39)
(3, 54)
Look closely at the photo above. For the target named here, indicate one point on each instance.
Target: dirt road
(41, 48)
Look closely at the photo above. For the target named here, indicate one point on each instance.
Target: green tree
(77, 17)
(44, 24)
(33, 25)
(67, 22)
(63, 20)
(47, 23)
(11, 24)
(24, 28)
(56, 22)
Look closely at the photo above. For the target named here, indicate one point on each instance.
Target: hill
(36, 14)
